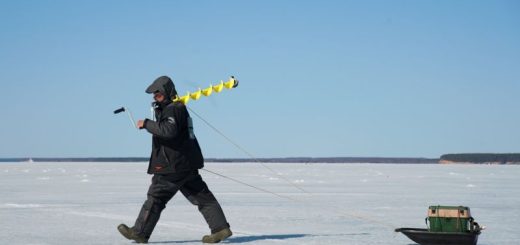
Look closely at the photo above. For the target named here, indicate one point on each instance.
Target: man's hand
(140, 124)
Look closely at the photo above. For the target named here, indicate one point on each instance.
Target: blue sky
(318, 78)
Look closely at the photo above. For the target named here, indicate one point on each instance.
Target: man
(174, 162)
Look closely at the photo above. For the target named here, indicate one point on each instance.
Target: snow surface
(82, 203)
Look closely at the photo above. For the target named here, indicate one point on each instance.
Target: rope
(246, 152)
(335, 209)
(252, 186)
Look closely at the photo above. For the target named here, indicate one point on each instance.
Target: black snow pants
(164, 187)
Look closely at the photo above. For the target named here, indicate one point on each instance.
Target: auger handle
(122, 109)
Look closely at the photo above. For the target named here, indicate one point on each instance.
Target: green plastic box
(449, 219)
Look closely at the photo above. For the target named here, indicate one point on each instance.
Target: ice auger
(230, 84)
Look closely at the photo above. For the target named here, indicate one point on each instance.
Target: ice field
(356, 204)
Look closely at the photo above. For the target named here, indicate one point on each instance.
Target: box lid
(449, 211)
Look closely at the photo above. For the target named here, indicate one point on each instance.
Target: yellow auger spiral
(231, 83)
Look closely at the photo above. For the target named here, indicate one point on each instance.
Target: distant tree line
(482, 158)
(406, 160)
(265, 160)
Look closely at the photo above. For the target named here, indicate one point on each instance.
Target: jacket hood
(165, 86)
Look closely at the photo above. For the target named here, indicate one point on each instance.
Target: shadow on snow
(246, 239)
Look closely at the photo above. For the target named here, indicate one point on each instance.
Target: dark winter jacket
(174, 146)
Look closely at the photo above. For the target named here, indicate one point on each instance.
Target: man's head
(162, 89)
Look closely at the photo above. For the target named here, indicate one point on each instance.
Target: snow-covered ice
(357, 204)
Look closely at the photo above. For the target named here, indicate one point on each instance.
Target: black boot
(130, 234)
